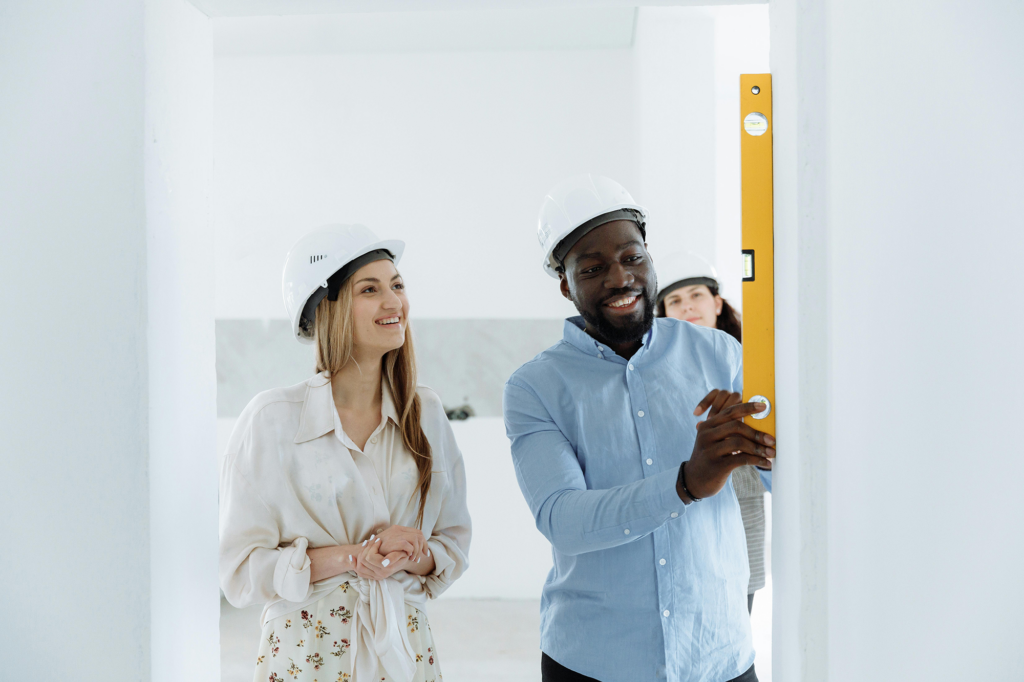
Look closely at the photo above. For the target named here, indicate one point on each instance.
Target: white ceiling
(249, 8)
(518, 29)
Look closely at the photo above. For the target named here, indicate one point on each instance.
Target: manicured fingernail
(428, 552)
(364, 543)
(377, 540)
(417, 561)
(373, 535)
(385, 562)
(769, 440)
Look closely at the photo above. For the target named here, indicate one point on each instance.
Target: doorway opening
(445, 129)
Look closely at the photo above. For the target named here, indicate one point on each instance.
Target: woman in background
(342, 499)
(691, 293)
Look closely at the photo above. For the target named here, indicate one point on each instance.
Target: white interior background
(897, 545)
(446, 129)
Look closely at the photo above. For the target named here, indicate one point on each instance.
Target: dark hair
(728, 320)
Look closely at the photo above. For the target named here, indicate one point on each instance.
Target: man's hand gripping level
(724, 443)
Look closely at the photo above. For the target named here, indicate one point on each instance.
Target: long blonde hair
(334, 345)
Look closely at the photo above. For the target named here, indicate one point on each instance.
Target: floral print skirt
(312, 645)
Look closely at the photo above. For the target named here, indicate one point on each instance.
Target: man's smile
(624, 303)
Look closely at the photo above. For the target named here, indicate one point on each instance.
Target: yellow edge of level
(757, 221)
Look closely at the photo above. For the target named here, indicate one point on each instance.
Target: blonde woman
(342, 499)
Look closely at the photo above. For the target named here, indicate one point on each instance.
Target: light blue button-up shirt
(644, 587)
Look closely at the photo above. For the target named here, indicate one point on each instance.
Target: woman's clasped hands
(397, 548)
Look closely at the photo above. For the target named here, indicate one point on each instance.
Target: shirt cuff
(292, 572)
(662, 498)
(437, 582)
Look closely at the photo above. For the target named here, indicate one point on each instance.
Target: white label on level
(748, 266)
(755, 124)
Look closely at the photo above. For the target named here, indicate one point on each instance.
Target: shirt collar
(319, 414)
(574, 332)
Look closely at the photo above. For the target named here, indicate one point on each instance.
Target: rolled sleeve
(253, 568)
(292, 572)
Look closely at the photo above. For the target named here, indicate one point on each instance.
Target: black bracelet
(682, 484)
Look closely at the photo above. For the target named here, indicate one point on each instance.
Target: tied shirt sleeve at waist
(574, 519)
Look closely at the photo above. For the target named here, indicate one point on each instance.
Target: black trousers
(552, 671)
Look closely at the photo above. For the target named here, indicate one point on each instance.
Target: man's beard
(631, 332)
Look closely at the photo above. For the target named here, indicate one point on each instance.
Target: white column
(800, 530)
(185, 599)
(73, 480)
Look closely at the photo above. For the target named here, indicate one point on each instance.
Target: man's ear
(563, 285)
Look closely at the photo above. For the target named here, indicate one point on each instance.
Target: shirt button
(665, 613)
(640, 413)
(631, 367)
(626, 531)
(600, 348)
(650, 461)
(675, 515)
(374, 440)
(662, 562)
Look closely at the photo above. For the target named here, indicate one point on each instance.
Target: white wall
(73, 392)
(741, 47)
(800, 539)
(899, 209)
(453, 151)
(185, 602)
(675, 53)
(926, 232)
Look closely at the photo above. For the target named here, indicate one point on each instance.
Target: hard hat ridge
(569, 209)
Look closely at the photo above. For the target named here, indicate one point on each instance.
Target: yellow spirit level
(758, 247)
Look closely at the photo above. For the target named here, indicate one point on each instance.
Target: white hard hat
(319, 256)
(684, 268)
(574, 204)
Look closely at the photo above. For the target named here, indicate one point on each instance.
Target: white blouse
(291, 479)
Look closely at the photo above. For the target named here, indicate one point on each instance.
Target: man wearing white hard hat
(343, 498)
(628, 483)
(690, 291)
